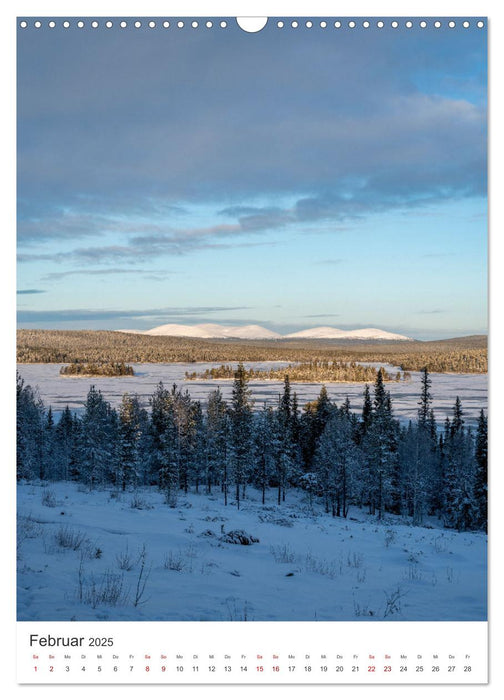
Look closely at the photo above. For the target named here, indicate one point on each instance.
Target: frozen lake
(58, 391)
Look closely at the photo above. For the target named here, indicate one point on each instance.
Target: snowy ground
(58, 391)
(80, 558)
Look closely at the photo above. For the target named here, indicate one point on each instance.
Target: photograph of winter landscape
(252, 321)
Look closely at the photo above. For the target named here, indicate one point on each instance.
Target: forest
(92, 369)
(316, 371)
(458, 355)
(343, 456)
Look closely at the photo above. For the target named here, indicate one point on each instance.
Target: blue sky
(290, 178)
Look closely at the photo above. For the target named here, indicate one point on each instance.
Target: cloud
(31, 291)
(431, 311)
(52, 276)
(57, 316)
(344, 128)
(322, 316)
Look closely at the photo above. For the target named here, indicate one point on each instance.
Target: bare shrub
(393, 602)
(413, 573)
(354, 560)
(283, 554)
(143, 577)
(67, 538)
(125, 560)
(49, 498)
(320, 566)
(138, 502)
(237, 612)
(109, 591)
(174, 562)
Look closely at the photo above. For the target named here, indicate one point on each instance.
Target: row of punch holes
(280, 24)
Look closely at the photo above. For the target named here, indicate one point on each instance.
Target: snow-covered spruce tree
(419, 478)
(240, 437)
(313, 421)
(30, 419)
(130, 433)
(217, 430)
(264, 453)
(367, 412)
(380, 448)
(197, 448)
(481, 476)
(337, 464)
(49, 455)
(286, 450)
(459, 505)
(96, 440)
(414, 454)
(64, 445)
(159, 418)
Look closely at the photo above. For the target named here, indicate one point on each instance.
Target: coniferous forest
(342, 456)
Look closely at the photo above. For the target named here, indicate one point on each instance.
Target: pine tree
(217, 427)
(336, 461)
(425, 400)
(240, 430)
(380, 447)
(481, 476)
(96, 441)
(130, 433)
(29, 431)
(65, 445)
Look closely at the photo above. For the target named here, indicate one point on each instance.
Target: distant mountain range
(213, 330)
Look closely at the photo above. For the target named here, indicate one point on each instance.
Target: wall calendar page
(252, 390)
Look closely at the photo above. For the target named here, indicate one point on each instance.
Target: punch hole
(252, 24)
(380, 24)
(23, 24)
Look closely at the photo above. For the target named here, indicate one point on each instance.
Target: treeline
(315, 371)
(345, 458)
(92, 369)
(462, 355)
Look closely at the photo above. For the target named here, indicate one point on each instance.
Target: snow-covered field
(92, 556)
(58, 391)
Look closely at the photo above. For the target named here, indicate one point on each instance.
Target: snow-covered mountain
(214, 330)
(359, 334)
